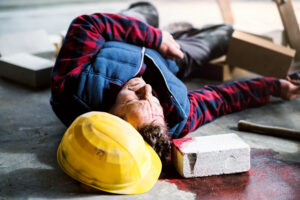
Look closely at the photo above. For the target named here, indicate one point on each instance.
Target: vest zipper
(142, 62)
(172, 96)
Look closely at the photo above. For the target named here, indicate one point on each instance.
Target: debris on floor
(28, 57)
(210, 155)
(259, 55)
(27, 69)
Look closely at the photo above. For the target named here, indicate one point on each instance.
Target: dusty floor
(30, 132)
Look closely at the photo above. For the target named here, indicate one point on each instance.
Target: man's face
(136, 104)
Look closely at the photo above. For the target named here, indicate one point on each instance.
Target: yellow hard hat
(105, 152)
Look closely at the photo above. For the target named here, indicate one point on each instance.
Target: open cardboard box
(218, 70)
(250, 52)
(259, 55)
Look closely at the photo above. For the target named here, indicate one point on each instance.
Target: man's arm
(213, 101)
(86, 36)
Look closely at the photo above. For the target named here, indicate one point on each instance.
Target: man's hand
(169, 48)
(289, 89)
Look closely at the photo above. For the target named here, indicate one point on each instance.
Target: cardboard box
(259, 55)
(27, 69)
(218, 70)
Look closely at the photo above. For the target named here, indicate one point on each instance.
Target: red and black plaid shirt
(88, 33)
(85, 38)
(213, 101)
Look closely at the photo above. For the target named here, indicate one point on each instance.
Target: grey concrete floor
(30, 132)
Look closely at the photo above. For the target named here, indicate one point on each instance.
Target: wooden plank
(290, 24)
(258, 55)
(226, 12)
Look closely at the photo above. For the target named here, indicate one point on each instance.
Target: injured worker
(128, 67)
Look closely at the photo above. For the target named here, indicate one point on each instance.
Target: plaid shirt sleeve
(213, 101)
(86, 36)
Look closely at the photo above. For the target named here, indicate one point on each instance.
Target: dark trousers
(199, 45)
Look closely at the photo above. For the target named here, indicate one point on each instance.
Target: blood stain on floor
(268, 178)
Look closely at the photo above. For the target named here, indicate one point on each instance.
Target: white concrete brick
(26, 69)
(33, 42)
(210, 155)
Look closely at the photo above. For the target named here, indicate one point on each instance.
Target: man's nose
(145, 91)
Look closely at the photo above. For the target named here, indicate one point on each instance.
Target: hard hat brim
(142, 186)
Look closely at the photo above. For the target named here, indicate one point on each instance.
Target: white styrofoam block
(33, 42)
(27, 69)
(210, 155)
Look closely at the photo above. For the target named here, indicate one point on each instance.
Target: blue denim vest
(114, 65)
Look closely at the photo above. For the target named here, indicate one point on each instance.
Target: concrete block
(210, 155)
(259, 55)
(32, 42)
(26, 69)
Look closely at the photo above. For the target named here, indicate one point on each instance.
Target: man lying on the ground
(124, 66)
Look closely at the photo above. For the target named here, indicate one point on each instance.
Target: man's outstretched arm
(86, 36)
(213, 101)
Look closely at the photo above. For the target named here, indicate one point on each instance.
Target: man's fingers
(169, 48)
(295, 96)
(294, 92)
(296, 82)
(176, 45)
(176, 52)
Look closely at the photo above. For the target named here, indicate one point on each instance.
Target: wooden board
(259, 55)
(290, 24)
(226, 12)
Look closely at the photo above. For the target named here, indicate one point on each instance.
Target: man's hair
(157, 137)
